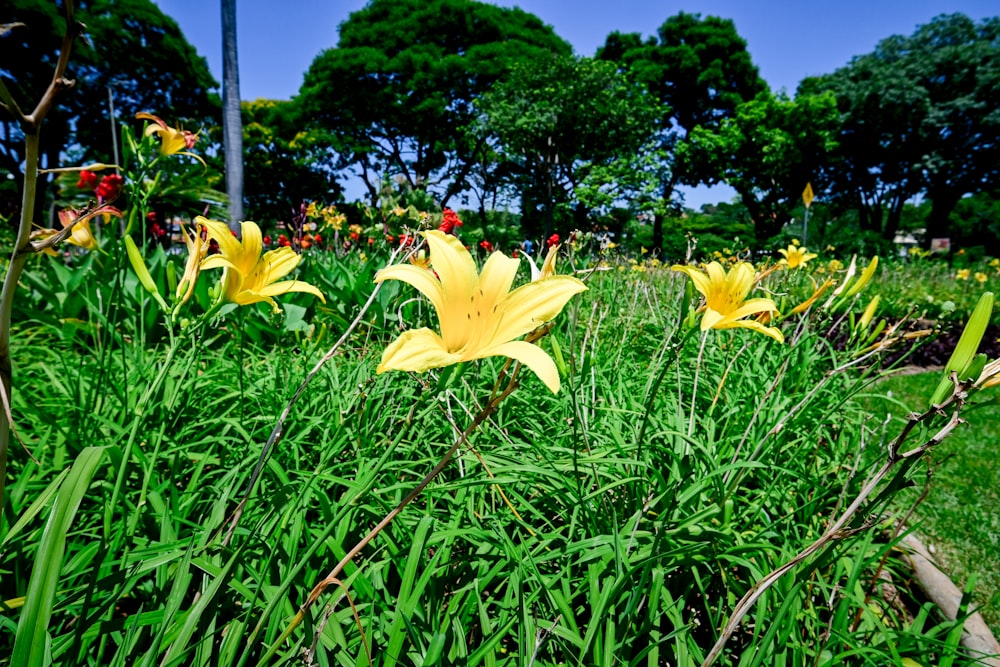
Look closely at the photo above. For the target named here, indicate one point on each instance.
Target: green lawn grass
(959, 517)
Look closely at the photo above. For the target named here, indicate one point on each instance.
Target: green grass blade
(33, 625)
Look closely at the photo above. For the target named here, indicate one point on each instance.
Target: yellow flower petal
(416, 350)
(534, 304)
(534, 358)
(421, 278)
(479, 315)
(250, 277)
(726, 305)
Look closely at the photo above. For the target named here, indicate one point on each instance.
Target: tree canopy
(398, 89)
(562, 119)
(130, 47)
(767, 151)
(918, 115)
(700, 70)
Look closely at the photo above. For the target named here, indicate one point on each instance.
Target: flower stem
(332, 578)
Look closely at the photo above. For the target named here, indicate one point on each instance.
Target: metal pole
(805, 226)
(114, 130)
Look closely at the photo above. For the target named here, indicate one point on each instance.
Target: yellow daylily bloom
(479, 314)
(726, 303)
(962, 274)
(248, 276)
(173, 141)
(795, 256)
(197, 248)
(81, 235)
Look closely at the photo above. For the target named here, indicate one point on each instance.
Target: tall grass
(558, 536)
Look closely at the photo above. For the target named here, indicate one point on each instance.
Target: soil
(935, 350)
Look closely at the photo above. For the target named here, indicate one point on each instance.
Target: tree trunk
(232, 123)
(668, 193)
(943, 202)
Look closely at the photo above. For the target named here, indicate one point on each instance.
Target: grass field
(618, 521)
(959, 517)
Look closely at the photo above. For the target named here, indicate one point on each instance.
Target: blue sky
(788, 40)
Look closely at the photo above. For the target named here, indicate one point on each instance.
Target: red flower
(283, 241)
(449, 221)
(405, 240)
(355, 236)
(318, 239)
(88, 180)
(486, 245)
(266, 240)
(514, 254)
(389, 238)
(552, 240)
(109, 187)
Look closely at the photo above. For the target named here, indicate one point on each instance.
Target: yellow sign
(807, 195)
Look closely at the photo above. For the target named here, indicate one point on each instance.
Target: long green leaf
(33, 625)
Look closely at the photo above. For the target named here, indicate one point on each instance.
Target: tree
(767, 151)
(565, 123)
(232, 127)
(918, 115)
(700, 70)
(131, 49)
(284, 164)
(397, 92)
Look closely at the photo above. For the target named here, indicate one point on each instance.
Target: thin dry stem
(837, 529)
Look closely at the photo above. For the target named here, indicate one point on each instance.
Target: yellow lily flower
(173, 141)
(726, 303)
(197, 248)
(81, 235)
(250, 277)
(795, 256)
(479, 314)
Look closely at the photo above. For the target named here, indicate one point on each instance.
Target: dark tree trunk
(943, 202)
(232, 123)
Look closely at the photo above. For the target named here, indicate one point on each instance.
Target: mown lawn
(959, 517)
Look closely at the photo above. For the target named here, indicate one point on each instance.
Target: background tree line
(487, 107)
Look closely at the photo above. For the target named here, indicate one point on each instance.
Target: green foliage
(131, 47)
(413, 69)
(609, 520)
(767, 151)
(700, 71)
(917, 116)
(571, 126)
(285, 165)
